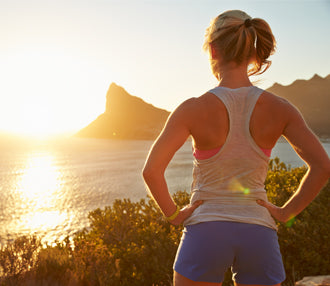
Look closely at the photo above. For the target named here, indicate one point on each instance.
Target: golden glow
(43, 93)
(57, 61)
(30, 92)
(44, 220)
(38, 189)
(39, 180)
(35, 122)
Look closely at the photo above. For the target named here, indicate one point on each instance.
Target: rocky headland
(126, 117)
(129, 117)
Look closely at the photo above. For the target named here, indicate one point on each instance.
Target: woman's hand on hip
(185, 213)
(278, 213)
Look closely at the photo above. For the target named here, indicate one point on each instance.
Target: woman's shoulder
(196, 109)
(187, 106)
(274, 101)
(193, 103)
(186, 109)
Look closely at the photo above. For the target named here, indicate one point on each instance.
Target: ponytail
(240, 40)
(265, 46)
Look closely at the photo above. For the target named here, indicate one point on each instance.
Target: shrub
(17, 258)
(54, 265)
(142, 244)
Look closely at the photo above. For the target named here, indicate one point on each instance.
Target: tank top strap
(251, 103)
(240, 104)
(251, 100)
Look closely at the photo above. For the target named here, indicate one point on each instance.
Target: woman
(229, 222)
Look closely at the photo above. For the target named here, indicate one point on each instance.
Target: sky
(58, 58)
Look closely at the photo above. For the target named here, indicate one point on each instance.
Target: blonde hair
(240, 40)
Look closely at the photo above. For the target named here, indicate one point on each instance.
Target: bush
(130, 243)
(17, 258)
(141, 243)
(54, 265)
(304, 240)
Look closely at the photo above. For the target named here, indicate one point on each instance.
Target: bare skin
(178, 279)
(205, 119)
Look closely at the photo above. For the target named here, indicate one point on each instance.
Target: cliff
(129, 117)
(126, 117)
(312, 98)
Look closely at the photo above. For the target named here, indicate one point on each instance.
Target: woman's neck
(234, 76)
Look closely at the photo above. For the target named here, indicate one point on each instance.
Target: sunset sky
(58, 58)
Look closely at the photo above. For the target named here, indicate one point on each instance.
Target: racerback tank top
(232, 180)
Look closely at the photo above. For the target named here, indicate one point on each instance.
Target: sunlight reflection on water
(39, 180)
(38, 197)
(49, 189)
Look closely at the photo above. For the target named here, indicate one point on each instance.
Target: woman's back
(209, 121)
(232, 180)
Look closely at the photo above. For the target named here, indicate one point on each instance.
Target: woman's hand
(277, 212)
(185, 213)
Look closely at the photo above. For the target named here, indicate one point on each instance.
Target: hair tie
(248, 23)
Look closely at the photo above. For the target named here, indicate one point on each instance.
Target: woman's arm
(173, 136)
(309, 148)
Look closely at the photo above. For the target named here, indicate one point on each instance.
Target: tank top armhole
(221, 95)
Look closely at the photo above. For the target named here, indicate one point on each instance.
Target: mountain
(312, 98)
(129, 117)
(126, 117)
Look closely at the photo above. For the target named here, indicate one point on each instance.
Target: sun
(35, 121)
(33, 104)
(42, 93)
(47, 90)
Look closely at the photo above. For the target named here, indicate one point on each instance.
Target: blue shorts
(208, 249)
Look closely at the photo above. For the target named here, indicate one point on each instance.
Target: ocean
(49, 187)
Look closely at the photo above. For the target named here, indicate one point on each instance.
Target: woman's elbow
(148, 173)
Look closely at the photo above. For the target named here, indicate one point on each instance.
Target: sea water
(49, 187)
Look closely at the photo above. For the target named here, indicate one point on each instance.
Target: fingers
(262, 203)
(186, 212)
(188, 209)
(196, 204)
(267, 205)
(275, 211)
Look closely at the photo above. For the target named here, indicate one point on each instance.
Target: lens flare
(236, 186)
(291, 221)
(246, 191)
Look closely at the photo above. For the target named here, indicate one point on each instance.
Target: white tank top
(231, 181)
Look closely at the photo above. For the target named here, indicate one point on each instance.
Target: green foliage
(130, 243)
(304, 241)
